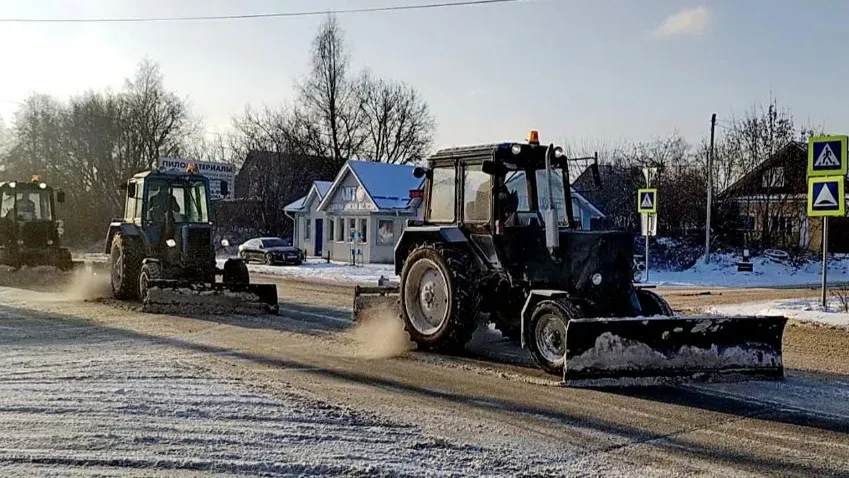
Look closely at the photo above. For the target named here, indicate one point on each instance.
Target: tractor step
(673, 347)
(179, 296)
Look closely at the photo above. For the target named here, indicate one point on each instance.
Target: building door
(319, 236)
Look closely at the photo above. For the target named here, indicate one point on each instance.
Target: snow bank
(804, 310)
(722, 272)
(319, 270)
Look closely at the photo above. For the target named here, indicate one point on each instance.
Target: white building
(364, 210)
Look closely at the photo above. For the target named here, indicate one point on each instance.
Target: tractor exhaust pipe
(552, 231)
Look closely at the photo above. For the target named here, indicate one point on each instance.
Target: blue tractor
(162, 253)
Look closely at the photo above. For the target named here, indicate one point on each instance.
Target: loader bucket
(706, 347)
(371, 302)
(174, 296)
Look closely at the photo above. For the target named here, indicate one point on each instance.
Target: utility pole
(709, 187)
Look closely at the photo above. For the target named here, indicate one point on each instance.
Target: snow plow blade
(176, 297)
(372, 302)
(699, 347)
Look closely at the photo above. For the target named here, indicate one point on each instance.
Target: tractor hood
(582, 255)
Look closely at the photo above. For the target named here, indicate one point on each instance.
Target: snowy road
(91, 388)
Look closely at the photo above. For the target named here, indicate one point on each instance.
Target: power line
(249, 16)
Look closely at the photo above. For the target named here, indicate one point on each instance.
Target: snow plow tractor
(494, 242)
(30, 234)
(161, 252)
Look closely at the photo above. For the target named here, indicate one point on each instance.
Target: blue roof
(322, 187)
(388, 185)
(296, 205)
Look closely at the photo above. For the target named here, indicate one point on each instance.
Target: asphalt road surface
(487, 412)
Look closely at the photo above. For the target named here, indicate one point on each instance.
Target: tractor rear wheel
(439, 300)
(125, 263)
(149, 272)
(546, 334)
(653, 304)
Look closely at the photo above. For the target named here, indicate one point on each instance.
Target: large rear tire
(439, 299)
(125, 263)
(653, 304)
(546, 334)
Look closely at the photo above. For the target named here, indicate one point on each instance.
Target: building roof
(386, 185)
(319, 188)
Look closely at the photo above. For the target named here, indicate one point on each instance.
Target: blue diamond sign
(826, 196)
(827, 156)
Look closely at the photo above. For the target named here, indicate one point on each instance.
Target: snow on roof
(320, 188)
(388, 185)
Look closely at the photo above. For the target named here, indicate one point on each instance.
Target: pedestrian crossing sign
(827, 156)
(826, 196)
(647, 201)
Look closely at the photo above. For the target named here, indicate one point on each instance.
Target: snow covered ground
(78, 399)
(333, 272)
(722, 272)
(804, 310)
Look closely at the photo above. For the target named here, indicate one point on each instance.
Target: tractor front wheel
(653, 304)
(439, 300)
(125, 262)
(236, 272)
(546, 334)
(149, 272)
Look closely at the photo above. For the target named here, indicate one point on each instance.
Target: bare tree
(328, 96)
(397, 124)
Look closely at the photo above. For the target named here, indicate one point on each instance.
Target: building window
(330, 227)
(747, 222)
(307, 228)
(340, 230)
(477, 192)
(773, 177)
(364, 229)
(352, 229)
(782, 225)
(386, 232)
(442, 194)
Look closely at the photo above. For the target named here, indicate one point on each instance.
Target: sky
(598, 71)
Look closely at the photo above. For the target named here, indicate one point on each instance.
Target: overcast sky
(580, 70)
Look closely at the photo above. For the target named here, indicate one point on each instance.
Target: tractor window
(477, 191)
(196, 203)
(7, 205)
(34, 206)
(442, 195)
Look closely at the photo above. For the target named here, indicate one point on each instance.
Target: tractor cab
(29, 229)
(173, 211)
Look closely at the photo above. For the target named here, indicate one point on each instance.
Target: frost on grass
(82, 401)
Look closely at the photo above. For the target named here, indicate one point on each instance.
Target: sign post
(647, 207)
(827, 167)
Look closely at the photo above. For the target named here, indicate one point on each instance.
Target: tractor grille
(36, 234)
(197, 246)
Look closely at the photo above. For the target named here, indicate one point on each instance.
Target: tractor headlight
(638, 276)
(42, 185)
(60, 230)
(171, 243)
(13, 184)
(596, 278)
(225, 243)
(516, 148)
(50, 242)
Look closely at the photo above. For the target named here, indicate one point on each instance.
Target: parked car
(271, 251)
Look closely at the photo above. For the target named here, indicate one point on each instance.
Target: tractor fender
(415, 235)
(150, 260)
(535, 297)
(127, 229)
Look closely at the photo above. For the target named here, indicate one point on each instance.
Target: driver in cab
(161, 203)
(26, 208)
